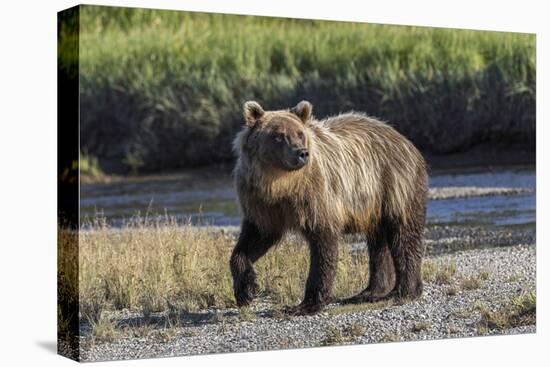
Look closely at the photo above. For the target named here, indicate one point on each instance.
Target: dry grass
(105, 329)
(141, 331)
(452, 329)
(515, 277)
(245, 314)
(347, 334)
(452, 291)
(474, 281)
(421, 326)
(333, 336)
(519, 312)
(470, 283)
(439, 273)
(144, 268)
(160, 265)
(166, 335)
(391, 337)
(356, 329)
(67, 290)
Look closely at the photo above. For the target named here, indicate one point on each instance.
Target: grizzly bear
(345, 174)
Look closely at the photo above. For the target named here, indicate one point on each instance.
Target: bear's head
(278, 139)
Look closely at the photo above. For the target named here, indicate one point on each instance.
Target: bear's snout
(296, 158)
(303, 155)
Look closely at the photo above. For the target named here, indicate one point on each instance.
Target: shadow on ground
(48, 345)
(188, 319)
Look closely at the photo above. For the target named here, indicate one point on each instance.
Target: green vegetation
(163, 89)
(89, 169)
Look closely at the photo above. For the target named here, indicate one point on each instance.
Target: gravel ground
(442, 239)
(510, 271)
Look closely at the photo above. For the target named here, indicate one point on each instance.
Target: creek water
(212, 200)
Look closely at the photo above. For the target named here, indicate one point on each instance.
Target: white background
(28, 180)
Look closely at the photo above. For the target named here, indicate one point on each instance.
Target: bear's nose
(303, 155)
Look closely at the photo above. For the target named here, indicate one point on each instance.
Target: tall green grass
(165, 89)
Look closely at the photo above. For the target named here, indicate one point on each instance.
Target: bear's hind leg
(381, 271)
(407, 249)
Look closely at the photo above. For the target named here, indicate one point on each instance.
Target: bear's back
(369, 165)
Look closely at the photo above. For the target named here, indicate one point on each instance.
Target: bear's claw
(245, 289)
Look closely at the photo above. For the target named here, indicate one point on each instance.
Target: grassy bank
(163, 90)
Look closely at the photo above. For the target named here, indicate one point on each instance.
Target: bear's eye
(278, 138)
(300, 135)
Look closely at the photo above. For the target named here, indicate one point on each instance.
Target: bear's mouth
(294, 164)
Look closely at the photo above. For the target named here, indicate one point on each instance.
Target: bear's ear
(252, 112)
(303, 110)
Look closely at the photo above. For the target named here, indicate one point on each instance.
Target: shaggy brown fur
(346, 174)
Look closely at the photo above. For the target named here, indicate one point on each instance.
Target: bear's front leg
(323, 249)
(252, 245)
